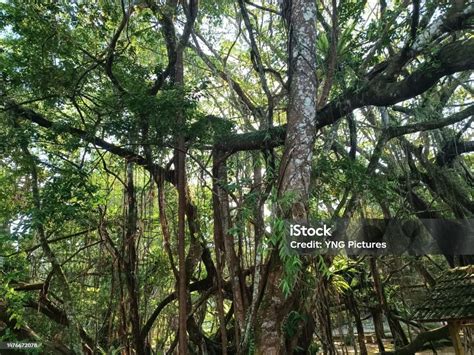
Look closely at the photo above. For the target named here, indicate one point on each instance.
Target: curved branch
(128, 155)
(263, 8)
(111, 49)
(200, 285)
(57, 315)
(452, 58)
(257, 60)
(430, 125)
(234, 85)
(452, 149)
(191, 14)
(455, 21)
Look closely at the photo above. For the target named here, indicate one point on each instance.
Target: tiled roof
(452, 298)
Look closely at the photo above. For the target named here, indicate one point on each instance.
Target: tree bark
(295, 169)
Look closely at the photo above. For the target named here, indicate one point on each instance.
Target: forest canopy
(153, 151)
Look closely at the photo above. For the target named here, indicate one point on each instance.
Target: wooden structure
(451, 300)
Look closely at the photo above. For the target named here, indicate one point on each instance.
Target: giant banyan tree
(153, 151)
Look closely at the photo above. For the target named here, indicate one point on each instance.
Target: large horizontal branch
(130, 156)
(418, 343)
(430, 125)
(257, 140)
(452, 58)
(452, 149)
(28, 286)
(275, 136)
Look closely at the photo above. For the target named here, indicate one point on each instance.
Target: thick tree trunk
(272, 311)
(295, 168)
